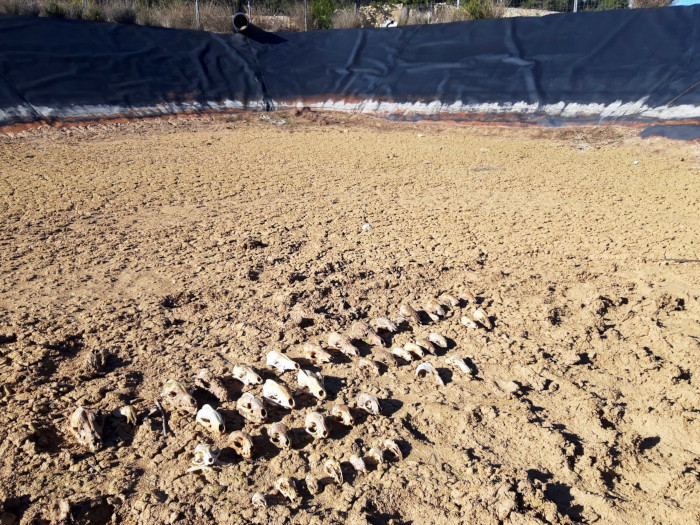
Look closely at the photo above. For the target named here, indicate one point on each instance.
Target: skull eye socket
(263, 413)
(248, 406)
(172, 394)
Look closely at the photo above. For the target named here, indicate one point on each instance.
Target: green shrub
(53, 9)
(122, 13)
(93, 12)
(482, 9)
(322, 13)
(20, 7)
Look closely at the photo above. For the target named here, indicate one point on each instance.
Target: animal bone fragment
(438, 340)
(342, 343)
(312, 484)
(312, 382)
(385, 358)
(242, 443)
(288, 488)
(434, 307)
(368, 367)
(342, 414)
(358, 464)
(316, 354)
(481, 316)
(84, 426)
(210, 419)
(376, 454)
(128, 412)
(279, 435)
(448, 299)
(280, 362)
(391, 446)
(426, 369)
(205, 456)
(469, 322)
(414, 349)
(407, 311)
(246, 375)
(259, 500)
(467, 296)
(369, 403)
(426, 344)
(315, 424)
(384, 323)
(251, 408)
(332, 469)
(206, 381)
(176, 396)
(460, 363)
(402, 353)
(277, 394)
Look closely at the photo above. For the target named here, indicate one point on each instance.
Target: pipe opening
(240, 22)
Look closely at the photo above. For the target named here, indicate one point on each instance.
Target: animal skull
(277, 394)
(480, 315)
(342, 343)
(315, 424)
(280, 362)
(206, 381)
(332, 469)
(316, 354)
(251, 408)
(342, 414)
(176, 395)
(242, 443)
(385, 324)
(312, 484)
(426, 345)
(402, 353)
(259, 500)
(467, 296)
(376, 454)
(385, 357)
(438, 340)
(204, 457)
(391, 446)
(358, 463)
(83, 425)
(210, 419)
(288, 488)
(408, 312)
(312, 382)
(246, 375)
(448, 299)
(426, 369)
(460, 363)
(368, 367)
(468, 322)
(368, 403)
(414, 349)
(279, 435)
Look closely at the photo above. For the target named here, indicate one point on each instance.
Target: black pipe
(240, 22)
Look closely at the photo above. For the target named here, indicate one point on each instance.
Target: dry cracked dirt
(163, 247)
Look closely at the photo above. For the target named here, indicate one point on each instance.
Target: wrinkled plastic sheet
(623, 66)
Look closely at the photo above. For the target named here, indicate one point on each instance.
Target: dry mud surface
(183, 244)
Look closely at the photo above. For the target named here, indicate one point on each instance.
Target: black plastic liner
(613, 66)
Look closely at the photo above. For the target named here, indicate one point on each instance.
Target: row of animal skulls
(287, 486)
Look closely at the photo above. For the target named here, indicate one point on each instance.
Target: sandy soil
(180, 244)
